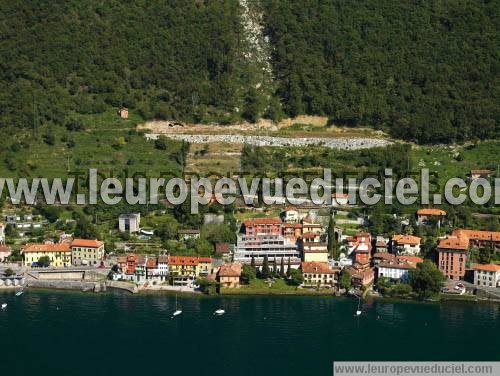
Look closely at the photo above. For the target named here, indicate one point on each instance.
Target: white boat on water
(358, 312)
(219, 312)
(19, 293)
(177, 311)
(4, 305)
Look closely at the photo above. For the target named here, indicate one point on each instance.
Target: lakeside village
(297, 252)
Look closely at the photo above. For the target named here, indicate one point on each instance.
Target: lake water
(70, 333)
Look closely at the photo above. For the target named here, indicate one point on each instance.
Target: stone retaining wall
(67, 285)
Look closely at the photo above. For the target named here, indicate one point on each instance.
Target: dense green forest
(424, 70)
(166, 59)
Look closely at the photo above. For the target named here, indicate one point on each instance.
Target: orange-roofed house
(224, 250)
(379, 257)
(318, 274)
(185, 269)
(426, 215)
(152, 269)
(406, 245)
(398, 267)
(229, 275)
(452, 256)
(5, 251)
(361, 277)
(476, 174)
(487, 275)
(121, 261)
(87, 252)
(59, 254)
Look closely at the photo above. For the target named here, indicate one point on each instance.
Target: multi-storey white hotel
(264, 237)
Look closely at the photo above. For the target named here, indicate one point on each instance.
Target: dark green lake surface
(67, 333)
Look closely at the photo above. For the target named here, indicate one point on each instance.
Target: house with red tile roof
(224, 250)
(58, 253)
(398, 267)
(486, 275)
(425, 215)
(5, 251)
(480, 173)
(318, 274)
(229, 275)
(185, 269)
(87, 252)
(406, 245)
(379, 257)
(361, 276)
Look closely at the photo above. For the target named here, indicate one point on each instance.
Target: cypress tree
(289, 268)
(332, 243)
(282, 268)
(265, 268)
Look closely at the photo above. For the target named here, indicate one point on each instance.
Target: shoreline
(256, 293)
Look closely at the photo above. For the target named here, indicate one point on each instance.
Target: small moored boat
(219, 312)
(358, 312)
(4, 305)
(177, 311)
(19, 293)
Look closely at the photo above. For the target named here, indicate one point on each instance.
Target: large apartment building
(453, 250)
(452, 256)
(264, 237)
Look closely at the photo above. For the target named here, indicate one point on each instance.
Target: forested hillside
(166, 59)
(425, 70)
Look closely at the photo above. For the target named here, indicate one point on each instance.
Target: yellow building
(318, 274)
(184, 269)
(315, 252)
(59, 254)
(204, 266)
(87, 252)
(229, 275)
